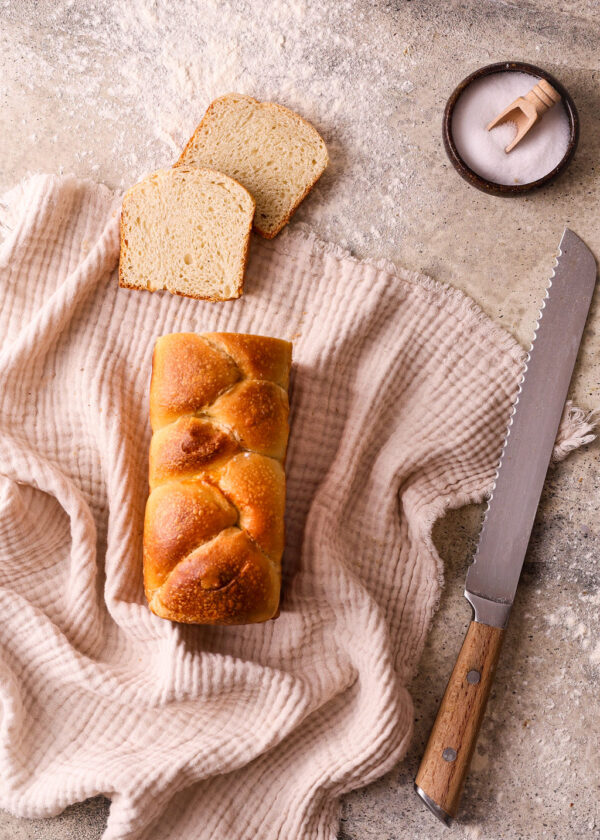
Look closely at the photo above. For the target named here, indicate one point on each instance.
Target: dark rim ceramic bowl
(478, 180)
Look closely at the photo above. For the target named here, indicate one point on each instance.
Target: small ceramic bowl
(491, 186)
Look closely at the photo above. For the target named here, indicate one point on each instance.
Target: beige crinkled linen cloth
(401, 391)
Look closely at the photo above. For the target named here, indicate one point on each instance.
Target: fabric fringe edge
(577, 426)
(576, 429)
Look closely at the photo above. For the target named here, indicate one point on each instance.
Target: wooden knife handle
(445, 764)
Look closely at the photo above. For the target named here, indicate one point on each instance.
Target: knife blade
(493, 577)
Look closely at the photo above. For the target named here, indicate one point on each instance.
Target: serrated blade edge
(493, 577)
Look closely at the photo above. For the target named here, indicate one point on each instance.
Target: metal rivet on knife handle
(493, 577)
(458, 721)
(449, 754)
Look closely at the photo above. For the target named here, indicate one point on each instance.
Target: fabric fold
(401, 390)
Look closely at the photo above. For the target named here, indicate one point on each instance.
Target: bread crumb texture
(272, 151)
(186, 231)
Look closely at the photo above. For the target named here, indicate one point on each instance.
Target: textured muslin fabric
(401, 390)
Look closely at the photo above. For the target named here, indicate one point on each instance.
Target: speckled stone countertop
(110, 90)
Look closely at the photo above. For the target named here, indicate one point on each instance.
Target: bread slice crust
(127, 281)
(231, 99)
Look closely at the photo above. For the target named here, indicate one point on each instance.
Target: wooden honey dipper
(527, 110)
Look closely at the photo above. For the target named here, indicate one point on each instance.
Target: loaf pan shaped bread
(213, 529)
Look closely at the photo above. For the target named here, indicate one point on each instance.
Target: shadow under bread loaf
(213, 529)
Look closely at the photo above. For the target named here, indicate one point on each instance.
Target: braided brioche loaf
(213, 530)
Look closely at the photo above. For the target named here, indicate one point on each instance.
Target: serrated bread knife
(493, 577)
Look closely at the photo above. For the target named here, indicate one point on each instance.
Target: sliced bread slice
(187, 231)
(269, 149)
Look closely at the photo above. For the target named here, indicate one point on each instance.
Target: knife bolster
(445, 764)
(486, 611)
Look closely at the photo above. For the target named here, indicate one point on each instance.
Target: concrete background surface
(110, 90)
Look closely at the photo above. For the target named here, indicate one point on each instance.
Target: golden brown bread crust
(258, 413)
(186, 447)
(256, 486)
(257, 357)
(229, 577)
(180, 516)
(183, 161)
(188, 374)
(213, 530)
